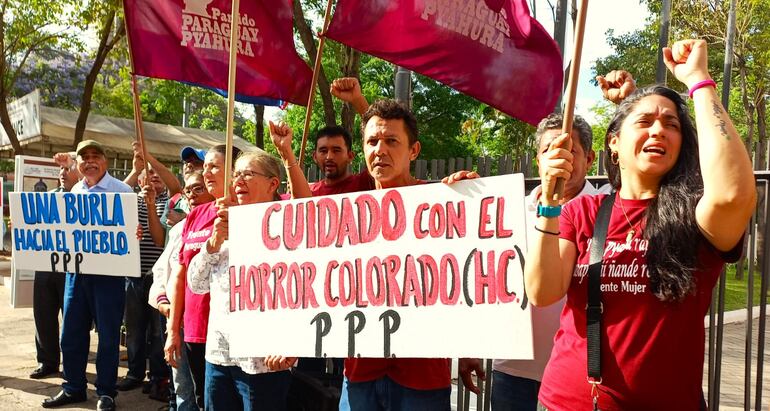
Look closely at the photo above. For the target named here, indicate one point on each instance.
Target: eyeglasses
(247, 175)
(197, 190)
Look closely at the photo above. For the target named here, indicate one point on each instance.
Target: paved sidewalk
(17, 359)
(733, 367)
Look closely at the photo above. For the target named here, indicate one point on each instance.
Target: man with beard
(333, 155)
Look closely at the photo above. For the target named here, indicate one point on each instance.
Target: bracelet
(295, 163)
(548, 211)
(556, 233)
(701, 84)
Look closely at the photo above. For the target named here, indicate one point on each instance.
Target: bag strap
(595, 307)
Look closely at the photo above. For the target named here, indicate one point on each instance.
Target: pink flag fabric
(489, 49)
(189, 40)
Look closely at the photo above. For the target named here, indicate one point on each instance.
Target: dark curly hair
(671, 230)
(392, 110)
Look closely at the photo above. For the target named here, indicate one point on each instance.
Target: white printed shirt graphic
(209, 273)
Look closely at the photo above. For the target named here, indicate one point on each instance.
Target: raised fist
(616, 85)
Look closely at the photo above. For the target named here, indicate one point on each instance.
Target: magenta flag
(489, 49)
(189, 40)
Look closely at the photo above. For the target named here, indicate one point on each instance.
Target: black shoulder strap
(594, 308)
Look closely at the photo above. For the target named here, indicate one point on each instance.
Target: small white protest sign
(87, 233)
(421, 271)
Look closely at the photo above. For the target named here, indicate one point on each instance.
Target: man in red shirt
(390, 145)
(333, 155)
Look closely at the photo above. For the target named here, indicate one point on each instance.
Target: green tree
(104, 17)
(28, 26)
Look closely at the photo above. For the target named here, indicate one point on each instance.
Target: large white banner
(25, 117)
(421, 271)
(88, 233)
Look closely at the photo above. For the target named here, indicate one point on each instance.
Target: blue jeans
(513, 393)
(387, 395)
(183, 382)
(229, 388)
(92, 298)
(143, 336)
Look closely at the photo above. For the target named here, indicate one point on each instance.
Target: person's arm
(550, 260)
(348, 89)
(281, 135)
(175, 291)
(729, 191)
(616, 85)
(168, 178)
(157, 232)
(136, 170)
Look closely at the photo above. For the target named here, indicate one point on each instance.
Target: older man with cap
(91, 298)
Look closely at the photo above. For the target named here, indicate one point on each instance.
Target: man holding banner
(390, 144)
(91, 298)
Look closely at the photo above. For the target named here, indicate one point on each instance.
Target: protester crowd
(680, 196)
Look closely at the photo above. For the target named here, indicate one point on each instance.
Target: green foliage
(489, 132)
(442, 114)
(636, 52)
(162, 101)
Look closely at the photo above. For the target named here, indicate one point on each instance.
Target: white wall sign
(87, 233)
(421, 271)
(25, 117)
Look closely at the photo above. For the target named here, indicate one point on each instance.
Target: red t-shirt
(651, 351)
(414, 373)
(196, 231)
(356, 182)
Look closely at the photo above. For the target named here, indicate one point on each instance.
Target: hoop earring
(614, 158)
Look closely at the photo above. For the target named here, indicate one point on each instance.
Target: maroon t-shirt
(414, 373)
(197, 230)
(651, 351)
(356, 182)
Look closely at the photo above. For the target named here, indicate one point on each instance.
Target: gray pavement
(17, 360)
(733, 367)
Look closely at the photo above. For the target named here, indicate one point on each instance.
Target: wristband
(288, 166)
(556, 233)
(701, 84)
(548, 211)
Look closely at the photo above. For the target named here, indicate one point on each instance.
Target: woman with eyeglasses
(195, 194)
(237, 383)
(190, 310)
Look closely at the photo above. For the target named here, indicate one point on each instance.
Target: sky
(623, 16)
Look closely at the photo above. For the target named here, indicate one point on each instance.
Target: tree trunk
(259, 123)
(106, 44)
(306, 36)
(748, 106)
(351, 69)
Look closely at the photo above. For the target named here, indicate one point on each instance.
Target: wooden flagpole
(138, 125)
(316, 70)
(574, 71)
(235, 21)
